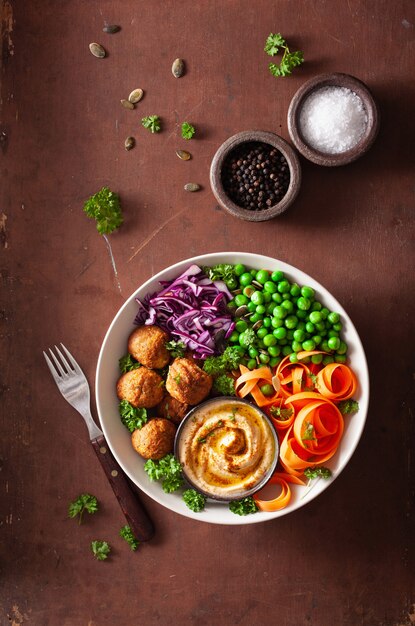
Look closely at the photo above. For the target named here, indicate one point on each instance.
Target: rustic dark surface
(347, 558)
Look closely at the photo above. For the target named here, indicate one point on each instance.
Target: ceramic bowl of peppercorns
(255, 175)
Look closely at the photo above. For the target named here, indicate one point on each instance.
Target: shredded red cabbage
(191, 308)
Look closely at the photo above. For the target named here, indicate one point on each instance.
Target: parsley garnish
(105, 208)
(281, 414)
(223, 271)
(132, 417)
(194, 500)
(85, 502)
(317, 472)
(168, 470)
(187, 130)
(177, 379)
(244, 506)
(226, 362)
(100, 550)
(289, 60)
(225, 385)
(308, 433)
(176, 348)
(128, 363)
(348, 406)
(127, 534)
(152, 122)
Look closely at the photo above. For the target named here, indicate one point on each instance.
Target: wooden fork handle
(135, 514)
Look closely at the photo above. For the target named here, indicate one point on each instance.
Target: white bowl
(115, 345)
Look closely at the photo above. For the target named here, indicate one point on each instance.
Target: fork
(74, 387)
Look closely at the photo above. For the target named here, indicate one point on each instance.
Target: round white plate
(115, 345)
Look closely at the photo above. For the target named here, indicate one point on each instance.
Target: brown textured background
(347, 558)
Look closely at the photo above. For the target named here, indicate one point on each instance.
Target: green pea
(262, 332)
(251, 365)
(262, 276)
(288, 305)
(277, 276)
(260, 344)
(283, 286)
(333, 317)
(274, 350)
(307, 292)
(303, 304)
(244, 339)
(334, 343)
(267, 389)
(270, 307)
(264, 358)
(320, 326)
(248, 291)
(267, 322)
(338, 326)
(276, 297)
(267, 296)
(316, 306)
(274, 361)
(270, 286)
(286, 350)
(257, 297)
(239, 269)
(340, 358)
(253, 352)
(241, 325)
(299, 335)
(286, 296)
(280, 333)
(279, 312)
(317, 339)
(308, 345)
(310, 328)
(276, 322)
(328, 359)
(301, 324)
(291, 321)
(245, 279)
(332, 333)
(316, 358)
(296, 346)
(301, 314)
(253, 273)
(240, 350)
(260, 309)
(325, 346)
(293, 358)
(234, 337)
(232, 282)
(231, 304)
(254, 318)
(324, 312)
(314, 317)
(295, 290)
(342, 349)
(240, 299)
(269, 340)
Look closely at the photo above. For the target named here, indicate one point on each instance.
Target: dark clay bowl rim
(271, 469)
(249, 136)
(335, 80)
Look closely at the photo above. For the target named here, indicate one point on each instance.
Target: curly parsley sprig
(127, 534)
(289, 60)
(105, 208)
(168, 470)
(244, 506)
(132, 417)
(152, 123)
(194, 500)
(84, 502)
(187, 130)
(100, 550)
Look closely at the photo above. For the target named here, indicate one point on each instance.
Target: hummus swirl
(226, 448)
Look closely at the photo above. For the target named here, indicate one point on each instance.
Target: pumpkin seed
(97, 50)
(135, 96)
(178, 68)
(191, 187)
(183, 155)
(241, 310)
(127, 104)
(257, 325)
(110, 29)
(129, 143)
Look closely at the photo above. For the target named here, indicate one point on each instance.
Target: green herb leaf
(225, 385)
(281, 414)
(176, 348)
(317, 472)
(100, 550)
(244, 506)
(127, 534)
(273, 43)
(128, 363)
(348, 406)
(308, 433)
(105, 208)
(168, 470)
(85, 502)
(187, 130)
(194, 500)
(226, 362)
(132, 417)
(152, 122)
(222, 271)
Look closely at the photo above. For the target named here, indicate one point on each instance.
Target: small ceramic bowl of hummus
(227, 447)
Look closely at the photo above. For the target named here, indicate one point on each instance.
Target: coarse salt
(333, 119)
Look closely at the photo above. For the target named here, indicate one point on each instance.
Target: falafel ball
(147, 344)
(143, 388)
(155, 439)
(172, 409)
(187, 382)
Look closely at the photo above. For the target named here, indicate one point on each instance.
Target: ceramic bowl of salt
(333, 119)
